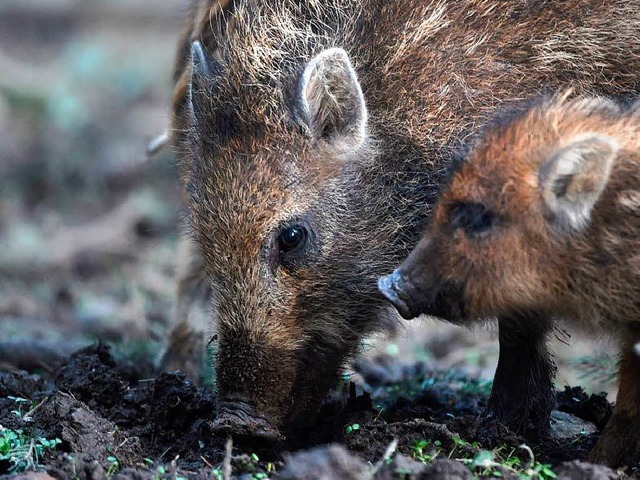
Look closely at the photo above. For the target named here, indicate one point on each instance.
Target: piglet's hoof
(618, 445)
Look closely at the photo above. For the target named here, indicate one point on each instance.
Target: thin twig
(388, 453)
(206, 462)
(28, 416)
(28, 457)
(532, 458)
(226, 464)
(157, 144)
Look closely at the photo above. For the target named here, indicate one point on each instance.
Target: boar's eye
(292, 246)
(291, 238)
(475, 218)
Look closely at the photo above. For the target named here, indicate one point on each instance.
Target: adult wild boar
(312, 134)
(542, 216)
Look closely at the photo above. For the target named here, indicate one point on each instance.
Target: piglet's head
(500, 238)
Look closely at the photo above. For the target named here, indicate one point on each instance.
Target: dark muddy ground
(401, 422)
(88, 237)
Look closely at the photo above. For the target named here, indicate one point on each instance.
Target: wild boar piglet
(542, 216)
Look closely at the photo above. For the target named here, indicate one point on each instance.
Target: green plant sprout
(21, 451)
(484, 463)
(352, 428)
(114, 466)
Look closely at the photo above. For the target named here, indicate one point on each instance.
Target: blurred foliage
(88, 225)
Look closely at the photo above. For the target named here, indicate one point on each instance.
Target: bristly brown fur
(473, 51)
(589, 273)
(429, 71)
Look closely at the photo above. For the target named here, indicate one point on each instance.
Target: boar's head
(269, 171)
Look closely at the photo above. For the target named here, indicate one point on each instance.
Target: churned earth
(388, 421)
(89, 229)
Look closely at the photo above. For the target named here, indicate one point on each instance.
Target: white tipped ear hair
(574, 178)
(331, 100)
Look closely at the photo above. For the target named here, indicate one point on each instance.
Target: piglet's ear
(331, 101)
(574, 178)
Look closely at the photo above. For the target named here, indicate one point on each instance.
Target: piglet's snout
(396, 290)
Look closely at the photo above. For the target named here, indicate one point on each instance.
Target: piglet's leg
(523, 394)
(619, 443)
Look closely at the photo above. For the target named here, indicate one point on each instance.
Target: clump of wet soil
(398, 421)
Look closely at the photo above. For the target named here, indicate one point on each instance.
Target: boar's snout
(239, 419)
(399, 292)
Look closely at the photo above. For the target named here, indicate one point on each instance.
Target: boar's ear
(331, 101)
(573, 179)
(199, 73)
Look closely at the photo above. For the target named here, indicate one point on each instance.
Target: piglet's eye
(475, 218)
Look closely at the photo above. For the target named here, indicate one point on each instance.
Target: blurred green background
(88, 224)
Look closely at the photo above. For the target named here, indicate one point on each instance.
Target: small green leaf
(484, 458)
